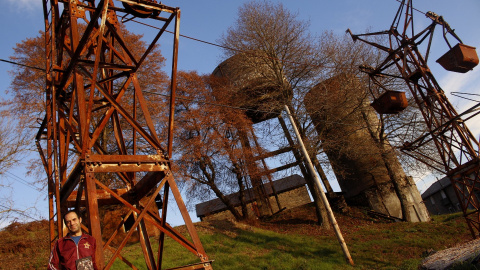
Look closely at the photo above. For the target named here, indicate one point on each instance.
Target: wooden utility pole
(322, 193)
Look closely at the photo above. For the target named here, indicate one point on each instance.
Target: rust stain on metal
(81, 70)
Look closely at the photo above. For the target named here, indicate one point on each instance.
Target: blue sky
(208, 20)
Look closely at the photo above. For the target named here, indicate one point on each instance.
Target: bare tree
(271, 43)
(27, 102)
(356, 139)
(343, 56)
(274, 48)
(12, 150)
(210, 159)
(12, 144)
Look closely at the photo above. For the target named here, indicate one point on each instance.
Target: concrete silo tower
(367, 168)
(256, 86)
(259, 85)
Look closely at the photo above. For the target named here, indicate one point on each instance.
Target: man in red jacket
(76, 250)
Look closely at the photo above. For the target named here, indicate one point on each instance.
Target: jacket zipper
(76, 245)
(78, 252)
(78, 255)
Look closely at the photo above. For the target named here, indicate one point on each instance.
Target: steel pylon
(456, 145)
(98, 141)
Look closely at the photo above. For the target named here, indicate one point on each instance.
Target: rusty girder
(456, 145)
(92, 88)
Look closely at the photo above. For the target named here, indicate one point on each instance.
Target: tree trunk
(241, 192)
(413, 208)
(226, 201)
(213, 186)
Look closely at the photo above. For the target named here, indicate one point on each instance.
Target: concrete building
(291, 192)
(440, 198)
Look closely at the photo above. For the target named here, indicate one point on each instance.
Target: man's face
(73, 223)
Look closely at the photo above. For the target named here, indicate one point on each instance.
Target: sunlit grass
(373, 245)
(376, 246)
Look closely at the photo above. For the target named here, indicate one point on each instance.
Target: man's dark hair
(71, 211)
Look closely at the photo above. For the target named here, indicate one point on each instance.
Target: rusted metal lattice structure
(456, 145)
(91, 87)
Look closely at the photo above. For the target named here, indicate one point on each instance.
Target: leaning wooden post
(322, 193)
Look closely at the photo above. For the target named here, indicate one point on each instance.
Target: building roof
(281, 185)
(436, 187)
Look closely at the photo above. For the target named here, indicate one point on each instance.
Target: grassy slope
(291, 240)
(24, 246)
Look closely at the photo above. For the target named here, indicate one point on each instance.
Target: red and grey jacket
(66, 252)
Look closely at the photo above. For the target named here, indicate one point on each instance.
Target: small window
(444, 196)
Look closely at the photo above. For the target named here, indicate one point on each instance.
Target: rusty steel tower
(456, 145)
(93, 89)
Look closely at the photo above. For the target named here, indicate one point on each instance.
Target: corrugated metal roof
(436, 187)
(281, 185)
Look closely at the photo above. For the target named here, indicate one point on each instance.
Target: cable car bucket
(461, 58)
(390, 102)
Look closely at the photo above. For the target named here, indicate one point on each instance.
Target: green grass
(375, 246)
(400, 245)
(256, 249)
(372, 245)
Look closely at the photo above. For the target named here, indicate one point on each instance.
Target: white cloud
(464, 84)
(424, 181)
(22, 5)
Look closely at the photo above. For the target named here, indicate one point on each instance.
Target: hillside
(24, 246)
(289, 240)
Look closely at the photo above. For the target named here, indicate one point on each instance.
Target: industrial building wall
(444, 201)
(288, 199)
